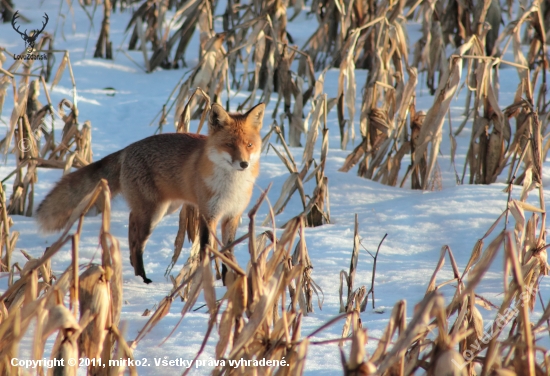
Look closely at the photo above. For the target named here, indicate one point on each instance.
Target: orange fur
(155, 175)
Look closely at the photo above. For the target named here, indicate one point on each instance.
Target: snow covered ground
(418, 223)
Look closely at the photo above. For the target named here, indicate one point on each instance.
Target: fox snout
(240, 165)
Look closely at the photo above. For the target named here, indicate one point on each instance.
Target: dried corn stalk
(33, 140)
(95, 298)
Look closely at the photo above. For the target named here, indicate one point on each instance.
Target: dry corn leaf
(431, 132)
(60, 70)
(162, 310)
(94, 306)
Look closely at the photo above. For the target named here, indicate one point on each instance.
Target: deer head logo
(29, 39)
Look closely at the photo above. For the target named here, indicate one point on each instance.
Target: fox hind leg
(141, 224)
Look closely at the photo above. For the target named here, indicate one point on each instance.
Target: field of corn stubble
(404, 153)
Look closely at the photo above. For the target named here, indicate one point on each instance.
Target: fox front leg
(229, 229)
(204, 232)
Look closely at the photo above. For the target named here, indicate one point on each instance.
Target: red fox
(156, 175)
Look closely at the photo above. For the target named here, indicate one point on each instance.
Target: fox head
(235, 138)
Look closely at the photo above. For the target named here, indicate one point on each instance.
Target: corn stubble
(89, 327)
(259, 315)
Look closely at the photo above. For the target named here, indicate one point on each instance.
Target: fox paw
(146, 280)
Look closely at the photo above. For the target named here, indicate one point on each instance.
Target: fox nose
(244, 164)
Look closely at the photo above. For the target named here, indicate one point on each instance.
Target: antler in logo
(29, 39)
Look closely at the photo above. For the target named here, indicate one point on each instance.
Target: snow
(418, 223)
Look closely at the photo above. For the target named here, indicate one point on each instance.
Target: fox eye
(229, 145)
(249, 145)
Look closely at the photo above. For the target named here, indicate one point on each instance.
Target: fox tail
(55, 211)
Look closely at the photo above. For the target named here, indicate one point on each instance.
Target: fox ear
(256, 115)
(218, 117)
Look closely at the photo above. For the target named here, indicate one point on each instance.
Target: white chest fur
(231, 189)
